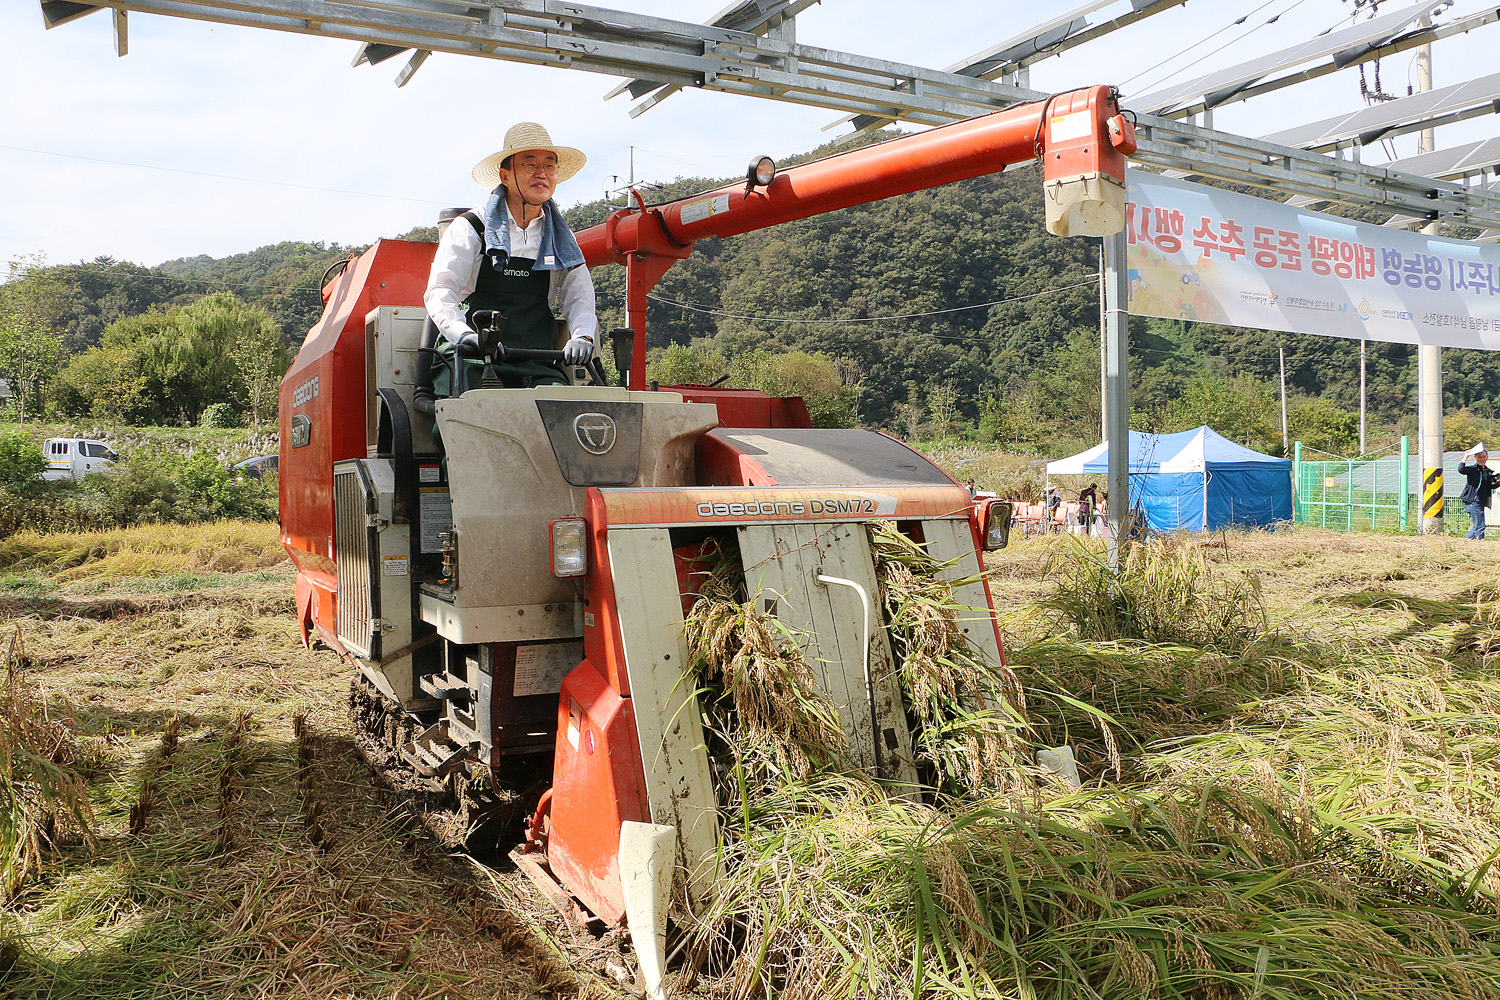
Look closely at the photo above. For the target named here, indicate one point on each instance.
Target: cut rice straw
(1287, 819)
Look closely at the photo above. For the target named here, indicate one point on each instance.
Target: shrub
(150, 487)
(219, 415)
(21, 461)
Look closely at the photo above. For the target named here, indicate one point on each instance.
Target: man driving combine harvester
(516, 258)
(513, 599)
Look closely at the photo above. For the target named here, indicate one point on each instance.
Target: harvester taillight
(570, 547)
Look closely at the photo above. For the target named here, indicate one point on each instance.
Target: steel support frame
(638, 46)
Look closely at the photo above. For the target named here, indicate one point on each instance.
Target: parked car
(74, 458)
(254, 468)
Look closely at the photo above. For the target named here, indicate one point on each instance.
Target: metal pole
(1403, 483)
(1349, 512)
(1299, 505)
(1285, 443)
(1116, 390)
(1103, 362)
(1429, 360)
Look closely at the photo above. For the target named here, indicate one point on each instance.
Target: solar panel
(1217, 87)
(1405, 114)
(1028, 42)
(1459, 161)
(1049, 38)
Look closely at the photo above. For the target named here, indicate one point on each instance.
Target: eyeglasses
(545, 167)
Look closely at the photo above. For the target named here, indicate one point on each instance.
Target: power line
(1227, 44)
(1185, 50)
(866, 319)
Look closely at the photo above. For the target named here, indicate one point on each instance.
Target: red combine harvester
(513, 604)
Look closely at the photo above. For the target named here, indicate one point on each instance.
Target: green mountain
(947, 306)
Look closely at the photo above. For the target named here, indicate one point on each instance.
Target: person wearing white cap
(518, 256)
(1481, 483)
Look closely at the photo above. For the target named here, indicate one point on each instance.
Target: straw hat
(521, 137)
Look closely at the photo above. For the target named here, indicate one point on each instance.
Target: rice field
(1288, 762)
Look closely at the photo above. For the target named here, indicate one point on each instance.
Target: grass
(184, 552)
(228, 445)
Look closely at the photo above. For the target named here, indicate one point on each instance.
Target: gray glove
(468, 346)
(578, 350)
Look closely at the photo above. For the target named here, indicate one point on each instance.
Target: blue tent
(1195, 479)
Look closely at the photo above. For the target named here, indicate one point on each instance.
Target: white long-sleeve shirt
(455, 273)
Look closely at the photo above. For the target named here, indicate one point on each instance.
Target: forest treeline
(945, 311)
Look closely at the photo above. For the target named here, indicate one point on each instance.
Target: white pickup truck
(74, 458)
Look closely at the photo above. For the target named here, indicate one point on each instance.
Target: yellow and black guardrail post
(1432, 498)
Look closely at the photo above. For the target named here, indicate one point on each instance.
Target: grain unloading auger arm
(1080, 137)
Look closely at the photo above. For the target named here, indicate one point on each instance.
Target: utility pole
(1363, 450)
(1117, 390)
(1429, 359)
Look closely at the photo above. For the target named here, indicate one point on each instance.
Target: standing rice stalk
(1160, 593)
(1263, 817)
(42, 797)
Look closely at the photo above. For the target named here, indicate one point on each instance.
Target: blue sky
(215, 140)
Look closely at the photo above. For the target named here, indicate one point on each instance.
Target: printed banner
(1213, 256)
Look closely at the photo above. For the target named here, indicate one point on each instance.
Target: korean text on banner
(1212, 256)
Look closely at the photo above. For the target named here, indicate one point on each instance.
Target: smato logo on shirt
(517, 272)
(856, 505)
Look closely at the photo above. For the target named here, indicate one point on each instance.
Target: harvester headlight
(570, 547)
(761, 173)
(996, 525)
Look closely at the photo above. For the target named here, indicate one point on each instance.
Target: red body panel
(748, 407)
(326, 387)
(1077, 136)
(596, 785)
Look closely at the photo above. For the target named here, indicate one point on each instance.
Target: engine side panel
(324, 412)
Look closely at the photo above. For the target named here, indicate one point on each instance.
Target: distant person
(1088, 499)
(1053, 500)
(1481, 482)
(973, 490)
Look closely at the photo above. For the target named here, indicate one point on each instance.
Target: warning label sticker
(1076, 125)
(541, 669)
(699, 210)
(437, 517)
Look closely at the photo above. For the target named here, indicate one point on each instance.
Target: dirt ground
(243, 848)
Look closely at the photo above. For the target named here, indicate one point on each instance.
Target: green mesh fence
(1357, 495)
(1376, 494)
